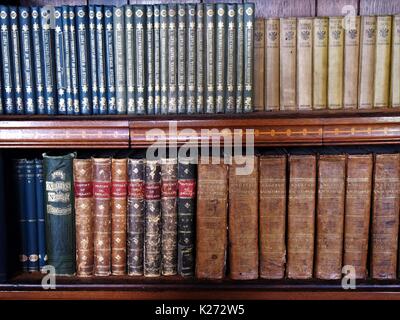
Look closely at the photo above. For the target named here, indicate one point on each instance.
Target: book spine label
(60, 215)
(92, 57)
(136, 212)
(41, 225)
(19, 172)
(109, 58)
(395, 71)
(101, 171)
(220, 54)
(119, 59)
(200, 59)
(272, 207)
(74, 61)
(258, 65)
(382, 62)
(150, 63)
(16, 61)
(210, 57)
(249, 56)
(172, 59)
(351, 63)
(140, 59)
(182, 13)
(83, 187)
(157, 61)
(59, 47)
(67, 60)
(230, 96)
(130, 60)
(119, 194)
(190, 41)
(301, 216)
(101, 60)
(272, 55)
(239, 58)
(320, 57)
(164, 58)
(152, 239)
(357, 212)
(304, 63)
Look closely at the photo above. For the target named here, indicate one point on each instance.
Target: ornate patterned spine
(6, 65)
(220, 56)
(119, 56)
(92, 57)
(67, 60)
(41, 225)
(249, 57)
(157, 61)
(210, 57)
(150, 65)
(231, 60)
(16, 61)
(109, 58)
(239, 58)
(181, 57)
(172, 59)
(59, 47)
(140, 59)
(130, 60)
(74, 61)
(190, 64)
(164, 57)
(200, 78)
(100, 58)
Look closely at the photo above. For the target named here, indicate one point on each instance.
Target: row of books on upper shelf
(298, 216)
(327, 62)
(133, 59)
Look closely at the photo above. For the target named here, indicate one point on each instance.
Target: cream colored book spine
(272, 82)
(382, 62)
(395, 75)
(258, 66)
(304, 63)
(288, 37)
(320, 57)
(351, 61)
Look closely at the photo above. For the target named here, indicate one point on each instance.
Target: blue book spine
(109, 54)
(119, 56)
(74, 61)
(3, 230)
(48, 59)
(130, 60)
(172, 59)
(16, 61)
(181, 58)
(191, 59)
(157, 61)
(37, 60)
(67, 60)
(101, 62)
(93, 59)
(41, 226)
(60, 61)
(6, 74)
(83, 59)
(27, 61)
(164, 58)
(150, 59)
(140, 59)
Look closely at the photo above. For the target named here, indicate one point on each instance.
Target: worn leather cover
(301, 216)
(385, 216)
(330, 216)
(272, 207)
(357, 212)
(83, 188)
(212, 205)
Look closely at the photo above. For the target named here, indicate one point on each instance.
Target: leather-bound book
(301, 216)
(118, 215)
(259, 59)
(385, 216)
(357, 212)
(243, 222)
(136, 209)
(102, 215)
(330, 216)
(272, 207)
(212, 220)
(83, 188)
(320, 63)
(272, 72)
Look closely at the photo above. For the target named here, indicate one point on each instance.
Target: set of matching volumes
(134, 59)
(335, 63)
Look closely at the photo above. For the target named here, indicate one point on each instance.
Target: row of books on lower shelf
(298, 216)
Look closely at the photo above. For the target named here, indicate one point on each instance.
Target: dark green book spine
(239, 59)
(220, 57)
(60, 69)
(191, 59)
(182, 58)
(200, 58)
(119, 55)
(16, 61)
(210, 57)
(74, 61)
(150, 59)
(109, 57)
(230, 60)
(130, 60)
(60, 217)
(140, 59)
(101, 60)
(164, 57)
(248, 56)
(172, 59)
(157, 61)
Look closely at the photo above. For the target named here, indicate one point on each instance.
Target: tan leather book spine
(212, 221)
(272, 208)
(385, 216)
(304, 63)
(320, 58)
(382, 62)
(288, 56)
(83, 188)
(351, 61)
(301, 216)
(119, 193)
(357, 212)
(395, 72)
(258, 66)
(243, 223)
(272, 49)
(367, 63)
(330, 216)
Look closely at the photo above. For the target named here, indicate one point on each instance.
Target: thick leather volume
(357, 212)
(118, 215)
(301, 216)
(272, 207)
(84, 216)
(102, 215)
(385, 216)
(211, 227)
(330, 216)
(136, 210)
(168, 216)
(152, 237)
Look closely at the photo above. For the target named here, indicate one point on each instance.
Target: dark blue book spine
(200, 59)
(3, 231)
(140, 59)
(191, 59)
(83, 59)
(67, 60)
(93, 59)
(150, 59)
(74, 61)
(119, 58)
(109, 53)
(164, 58)
(28, 83)
(157, 61)
(130, 60)
(6, 65)
(41, 225)
(220, 54)
(101, 62)
(172, 59)
(19, 171)
(182, 48)
(37, 60)
(16, 61)
(59, 46)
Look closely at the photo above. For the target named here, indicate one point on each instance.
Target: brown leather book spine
(385, 216)
(83, 188)
(357, 212)
(118, 216)
(243, 222)
(272, 207)
(301, 216)
(330, 216)
(102, 215)
(211, 227)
